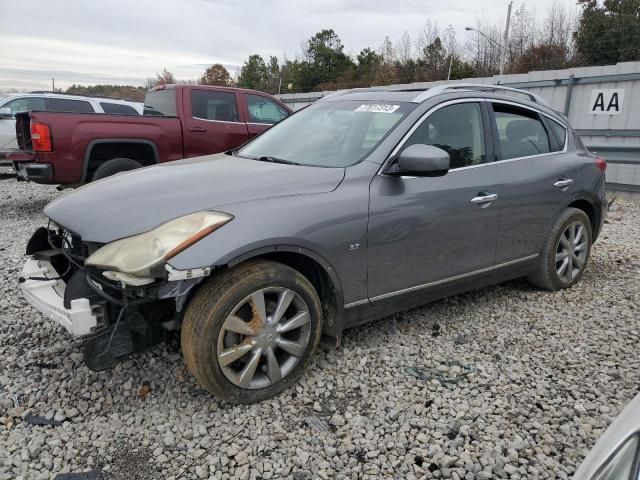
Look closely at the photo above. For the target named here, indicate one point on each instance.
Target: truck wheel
(565, 252)
(113, 166)
(250, 332)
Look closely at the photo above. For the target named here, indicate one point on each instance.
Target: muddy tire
(113, 166)
(565, 252)
(250, 332)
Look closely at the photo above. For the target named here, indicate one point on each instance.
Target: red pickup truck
(179, 121)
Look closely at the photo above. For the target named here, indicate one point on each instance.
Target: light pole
(505, 39)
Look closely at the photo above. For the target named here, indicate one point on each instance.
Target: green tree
(433, 61)
(608, 33)
(461, 69)
(368, 62)
(254, 73)
(325, 60)
(216, 74)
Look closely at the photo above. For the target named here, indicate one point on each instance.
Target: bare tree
(165, 77)
(522, 34)
(559, 25)
(403, 48)
(386, 73)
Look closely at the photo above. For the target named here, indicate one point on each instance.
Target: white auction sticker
(377, 108)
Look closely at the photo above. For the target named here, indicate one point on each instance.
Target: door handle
(198, 129)
(563, 183)
(486, 198)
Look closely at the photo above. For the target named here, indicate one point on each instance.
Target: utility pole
(505, 40)
(53, 85)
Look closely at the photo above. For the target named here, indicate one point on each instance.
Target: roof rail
(439, 89)
(86, 95)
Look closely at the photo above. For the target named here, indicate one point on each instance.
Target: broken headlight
(138, 254)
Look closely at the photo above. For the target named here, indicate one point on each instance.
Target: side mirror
(422, 160)
(5, 112)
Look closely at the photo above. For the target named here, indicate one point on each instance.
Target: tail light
(601, 163)
(40, 137)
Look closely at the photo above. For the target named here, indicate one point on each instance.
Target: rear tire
(236, 341)
(565, 252)
(113, 166)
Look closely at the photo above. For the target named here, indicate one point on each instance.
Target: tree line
(591, 33)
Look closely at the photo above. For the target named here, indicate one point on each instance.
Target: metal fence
(602, 104)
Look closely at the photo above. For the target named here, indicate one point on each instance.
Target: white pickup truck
(55, 102)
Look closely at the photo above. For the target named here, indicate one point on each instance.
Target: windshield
(328, 134)
(160, 103)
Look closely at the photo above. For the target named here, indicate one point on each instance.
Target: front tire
(565, 252)
(250, 332)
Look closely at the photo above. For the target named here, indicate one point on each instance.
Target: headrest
(520, 129)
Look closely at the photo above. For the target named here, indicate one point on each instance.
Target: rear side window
(521, 132)
(559, 132)
(160, 103)
(458, 130)
(67, 105)
(263, 110)
(26, 104)
(211, 105)
(118, 109)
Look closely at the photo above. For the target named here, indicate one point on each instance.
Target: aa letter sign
(607, 101)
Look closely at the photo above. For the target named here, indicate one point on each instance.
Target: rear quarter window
(559, 132)
(118, 109)
(160, 103)
(67, 105)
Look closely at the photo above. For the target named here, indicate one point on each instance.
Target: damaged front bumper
(115, 314)
(43, 288)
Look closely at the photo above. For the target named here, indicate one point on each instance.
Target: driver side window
(457, 129)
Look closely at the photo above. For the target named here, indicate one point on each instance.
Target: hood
(134, 202)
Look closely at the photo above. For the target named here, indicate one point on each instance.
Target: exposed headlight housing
(139, 254)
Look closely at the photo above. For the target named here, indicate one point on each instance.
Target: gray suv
(366, 203)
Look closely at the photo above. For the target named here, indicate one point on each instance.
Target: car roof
(452, 91)
(66, 96)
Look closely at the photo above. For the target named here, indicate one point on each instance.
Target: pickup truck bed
(180, 121)
(93, 136)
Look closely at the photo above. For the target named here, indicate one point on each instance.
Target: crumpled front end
(114, 318)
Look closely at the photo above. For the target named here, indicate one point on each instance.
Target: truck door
(212, 122)
(262, 113)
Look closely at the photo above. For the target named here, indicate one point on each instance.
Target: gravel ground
(505, 382)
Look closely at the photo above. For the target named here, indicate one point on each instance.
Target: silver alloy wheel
(571, 252)
(264, 338)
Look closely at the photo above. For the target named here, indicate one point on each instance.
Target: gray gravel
(505, 382)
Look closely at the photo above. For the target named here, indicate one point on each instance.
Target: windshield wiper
(275, 160)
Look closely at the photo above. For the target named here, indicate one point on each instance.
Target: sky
(127, 41)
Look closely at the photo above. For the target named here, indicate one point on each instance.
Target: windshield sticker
(377, 108)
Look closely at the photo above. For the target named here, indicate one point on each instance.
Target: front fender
(243, 256)
(330, 228)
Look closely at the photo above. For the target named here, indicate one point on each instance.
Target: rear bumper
(34, 172)
(47, 296)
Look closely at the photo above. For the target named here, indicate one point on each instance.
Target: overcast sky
(127, 41)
